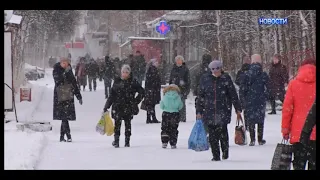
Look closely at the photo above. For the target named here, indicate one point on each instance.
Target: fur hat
(179, 57)
(171, 87)
(126, 68)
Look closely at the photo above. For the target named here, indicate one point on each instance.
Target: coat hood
(206, 60)
(307, 73)
(170, 99)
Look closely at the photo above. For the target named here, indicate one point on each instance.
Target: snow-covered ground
(23, 149)
(90, 150)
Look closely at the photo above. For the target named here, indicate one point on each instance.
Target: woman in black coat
(124, 103)
(152, 89)
(180, 76)
(65, 89)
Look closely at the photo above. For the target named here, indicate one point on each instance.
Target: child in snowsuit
(171, 104)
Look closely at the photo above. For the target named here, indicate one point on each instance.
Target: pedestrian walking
(254, 93)
(300, 96)
(241, 75)
(278, 80)
(216, 96)
(81, 74)
(171, 104)
(93, 74)
(152, 90)
(138, 66)
(180, 76)
(109, 73)
(65, 88)
(124, 103)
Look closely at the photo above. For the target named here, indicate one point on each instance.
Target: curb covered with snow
(22, 149)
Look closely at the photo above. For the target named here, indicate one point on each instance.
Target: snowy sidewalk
(89, 150)
(23, 149)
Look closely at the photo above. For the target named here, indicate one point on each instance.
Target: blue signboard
(163, 28)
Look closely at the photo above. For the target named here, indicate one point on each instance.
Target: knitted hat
(215, 65)
(125, 68)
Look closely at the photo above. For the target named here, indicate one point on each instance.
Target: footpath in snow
(90, 150)
(23, 149)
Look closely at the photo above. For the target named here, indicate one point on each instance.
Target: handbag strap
(238, 121)
(284, 141)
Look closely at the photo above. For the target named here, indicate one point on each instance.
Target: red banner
(77, 45)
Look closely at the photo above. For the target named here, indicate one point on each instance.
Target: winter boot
(164, 145)
(216, 159)
(155, 121)
(272, 112)
(127, 142)
(225, 155)
(173, 147)
(262, 142)
(69, 137)
(148, 120)
(115, 143)
(62, 138)
(252, 143)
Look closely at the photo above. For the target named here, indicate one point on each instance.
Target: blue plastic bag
(198, 138)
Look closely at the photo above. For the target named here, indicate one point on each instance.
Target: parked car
(33, 73)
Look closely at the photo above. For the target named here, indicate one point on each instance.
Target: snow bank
(25, 109)
(22, 149)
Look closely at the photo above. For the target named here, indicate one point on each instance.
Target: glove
(285, 133)
(80, 101)
(103, 113)
(285, 136)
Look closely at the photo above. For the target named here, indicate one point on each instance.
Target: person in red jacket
(298, 100)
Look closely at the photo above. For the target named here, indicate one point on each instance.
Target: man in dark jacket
(124, 103)
(109, 73)
(215, 98)
(243, 70)
(253, 94)
(206, 60)
(153, 91)
(93, 74)
(279, 78)
(138, 66)
(240, 76)
(65, 88)
(180, 76)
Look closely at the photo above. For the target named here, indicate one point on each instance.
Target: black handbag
(65, 92)
(282, 157)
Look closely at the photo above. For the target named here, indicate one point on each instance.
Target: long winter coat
(180, 76)
(64, 110)
(298, 101)
(152, 87)
(202, 69)
(215, 99)
(254, 94)
(309, 125)
(82, 79)
(278, 78)
(241, 74)
(138, 66)
(109, 69)
(123, 98)
(93, 69)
